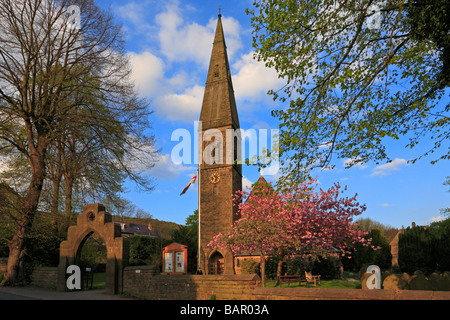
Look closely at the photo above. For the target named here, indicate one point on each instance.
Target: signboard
(168, 262)
(179, 260)
(175, 259)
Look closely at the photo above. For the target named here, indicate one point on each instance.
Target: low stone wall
(346, 294)
(45, 277)
(418, 281)
(145, 282)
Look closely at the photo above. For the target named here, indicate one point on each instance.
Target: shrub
(250, 266)
(415, 251)
(441, 244)
(271, 267)
(298, 265)
(146, 250)
(425, 248)
(328, 268)
(363, 255)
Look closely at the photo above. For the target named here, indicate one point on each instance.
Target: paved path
(34, 293)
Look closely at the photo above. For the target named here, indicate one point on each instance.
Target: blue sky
(169, 44)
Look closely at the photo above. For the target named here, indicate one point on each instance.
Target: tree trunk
(279, 268)
(57, 170)
(55, 197)
(281, 260)
(70, 171)
(263, 269)
(18, 245)
(17, 248)
(68, 181)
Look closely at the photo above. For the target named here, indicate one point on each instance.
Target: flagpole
(199, 271)
(199, 143)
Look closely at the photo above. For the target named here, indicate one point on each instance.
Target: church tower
(220, 175)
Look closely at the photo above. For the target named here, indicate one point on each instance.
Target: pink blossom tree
(292, 221)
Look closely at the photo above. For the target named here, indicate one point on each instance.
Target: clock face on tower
(214, 178)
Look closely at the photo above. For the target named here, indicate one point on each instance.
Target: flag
(193, 180)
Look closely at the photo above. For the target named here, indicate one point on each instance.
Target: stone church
(218, 179)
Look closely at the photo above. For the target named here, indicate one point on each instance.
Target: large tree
(62, 66)
(356, 72)
(291, 221)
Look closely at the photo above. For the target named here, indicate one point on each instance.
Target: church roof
(137, 229)
(260, 184)
(219, 105)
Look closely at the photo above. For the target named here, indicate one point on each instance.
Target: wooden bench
(311, 278)
(292, 278)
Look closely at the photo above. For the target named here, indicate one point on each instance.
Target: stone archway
(95, 219)
(216, 263)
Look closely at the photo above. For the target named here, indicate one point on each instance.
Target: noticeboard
(175, 259)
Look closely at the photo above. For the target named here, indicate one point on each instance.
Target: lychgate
(95, 219)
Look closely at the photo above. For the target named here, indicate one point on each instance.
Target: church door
(216, 264)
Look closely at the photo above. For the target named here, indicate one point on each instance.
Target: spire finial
(220, 10)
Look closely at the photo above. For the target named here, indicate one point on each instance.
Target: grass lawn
(325, 284)
(99, 280)
(100, 283)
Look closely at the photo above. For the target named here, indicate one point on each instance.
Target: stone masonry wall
(346, 294)
(45, 277)
(145, 282)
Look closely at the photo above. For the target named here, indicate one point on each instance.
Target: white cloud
(253, 78)
(325, 145)
(192, 42)
(136, 16)
(177, 95)
(259, 124)
(435, 219)
(147, 72)
(386, 169)
(184, 106)
(246, 184)
(148, 75)
(165, 169)
(132, 12)
(355, 163)
(178, 81)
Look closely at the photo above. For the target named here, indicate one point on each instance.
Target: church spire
(219, 105)
(221, 178)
